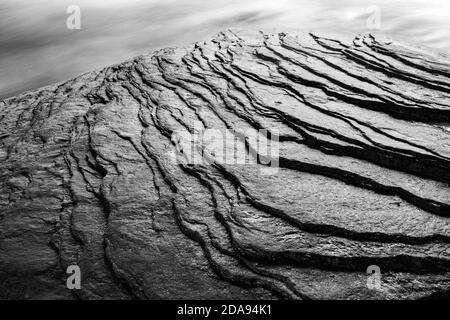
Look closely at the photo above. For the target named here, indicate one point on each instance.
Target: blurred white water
(37, 49)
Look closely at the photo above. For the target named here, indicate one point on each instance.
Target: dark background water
(36, 47)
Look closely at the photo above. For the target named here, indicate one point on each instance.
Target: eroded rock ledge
(88, 177)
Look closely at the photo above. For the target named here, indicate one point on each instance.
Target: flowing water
(36, 47)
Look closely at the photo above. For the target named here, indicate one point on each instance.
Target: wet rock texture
(88, 176)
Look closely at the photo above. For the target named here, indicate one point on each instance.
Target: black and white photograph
(225, 155)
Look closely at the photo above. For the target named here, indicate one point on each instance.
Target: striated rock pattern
(96, 171)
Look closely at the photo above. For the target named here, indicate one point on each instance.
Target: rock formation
(347, 166)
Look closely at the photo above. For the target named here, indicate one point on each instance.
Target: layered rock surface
(97, 172)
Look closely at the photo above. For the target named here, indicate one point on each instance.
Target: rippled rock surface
(98, 172)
